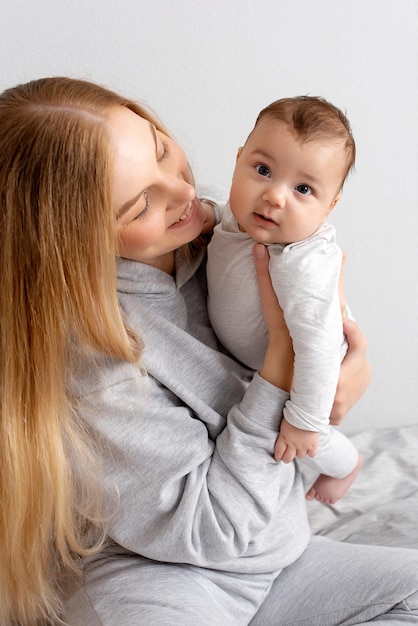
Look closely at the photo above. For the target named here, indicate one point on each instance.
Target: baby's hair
(312, 118)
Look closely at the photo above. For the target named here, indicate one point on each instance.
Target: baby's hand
(293, 442)
(212, 216)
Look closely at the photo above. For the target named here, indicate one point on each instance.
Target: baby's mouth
(263, 217)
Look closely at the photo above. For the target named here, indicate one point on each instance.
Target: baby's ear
(334, 202)
(238, 153)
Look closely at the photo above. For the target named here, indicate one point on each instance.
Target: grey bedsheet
(381, 507)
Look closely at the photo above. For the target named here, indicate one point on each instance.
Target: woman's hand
(354, 375)
(355, 369)
(278, 361)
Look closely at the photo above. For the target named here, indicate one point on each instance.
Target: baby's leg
(328, 489)
(338, 463)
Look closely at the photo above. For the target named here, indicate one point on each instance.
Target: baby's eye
(304, 189)
(263, 170)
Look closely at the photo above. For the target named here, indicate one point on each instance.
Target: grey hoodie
(189, 474)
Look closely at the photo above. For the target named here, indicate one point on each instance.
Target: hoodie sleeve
(175, 494)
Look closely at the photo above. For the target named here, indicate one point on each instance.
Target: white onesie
(305, 276)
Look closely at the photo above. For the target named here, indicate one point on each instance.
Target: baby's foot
(328, 490)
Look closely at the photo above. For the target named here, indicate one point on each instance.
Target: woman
(202, 525)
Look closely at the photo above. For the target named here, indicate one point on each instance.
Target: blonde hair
(313, 118)
(58, 251)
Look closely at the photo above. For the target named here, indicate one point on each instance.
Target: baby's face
(283, 189)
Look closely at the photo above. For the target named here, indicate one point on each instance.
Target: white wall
(208, 66)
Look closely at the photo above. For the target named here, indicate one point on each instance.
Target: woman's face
(156, 208)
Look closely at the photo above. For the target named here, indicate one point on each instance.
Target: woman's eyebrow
(154, 134)
(129, 203)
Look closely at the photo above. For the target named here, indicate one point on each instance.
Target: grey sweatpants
(331, 584)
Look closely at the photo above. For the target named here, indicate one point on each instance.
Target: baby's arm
(293, 442)
(305, 278)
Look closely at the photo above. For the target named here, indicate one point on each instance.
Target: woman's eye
(304, 189)
(163, 148)
(164, 151)
(145, 209)
(263, 170)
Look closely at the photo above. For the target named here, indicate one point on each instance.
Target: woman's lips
(186, 215)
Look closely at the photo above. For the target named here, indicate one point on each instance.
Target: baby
(288, 177)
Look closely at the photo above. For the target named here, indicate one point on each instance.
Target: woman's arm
(278, 361)
(355, 373)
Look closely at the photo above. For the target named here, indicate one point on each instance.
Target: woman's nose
(179, 190)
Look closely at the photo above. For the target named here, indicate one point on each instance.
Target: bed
(381, 507)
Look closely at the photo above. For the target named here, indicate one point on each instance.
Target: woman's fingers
(354, 375)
